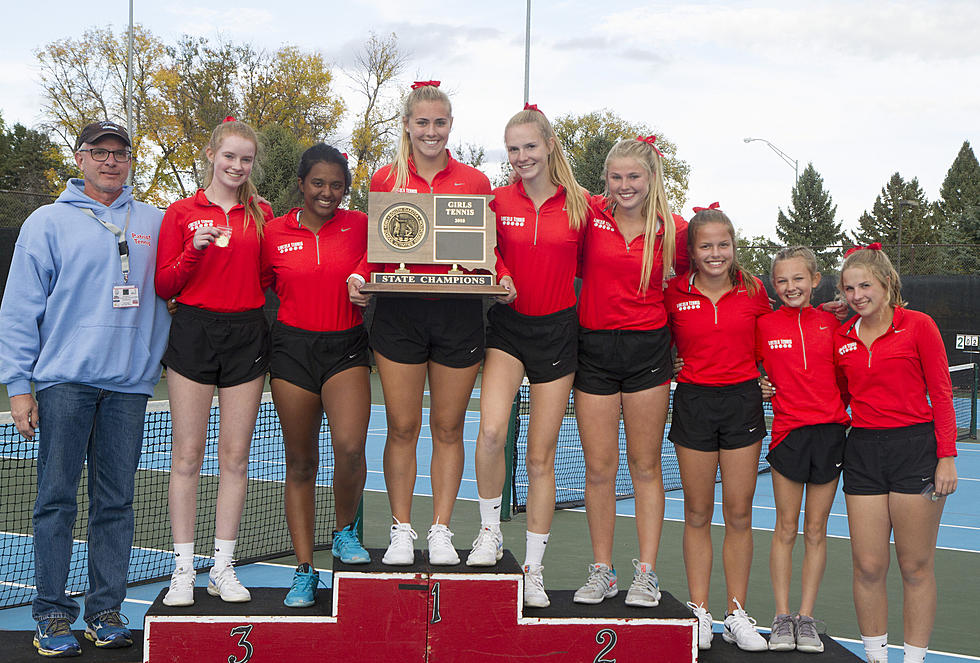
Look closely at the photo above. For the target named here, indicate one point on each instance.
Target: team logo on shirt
(689, 305)
(140, 240)
(602, 224)
(513, 220)
(290, 246)
(200, 223)
(847, 347)
(403, 226)
(780, 343)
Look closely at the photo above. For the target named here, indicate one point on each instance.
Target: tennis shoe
(534, 594)
(109, 631)
(705, 634)
(807, 638)
(644, 592)
(224, 582)
(441, 551)
(347, 548)
(488, 548)
(302, 594)
(783, 634)
(53, 638)
(600, 585)
(740, 630)
(181, 592)
(401, 550)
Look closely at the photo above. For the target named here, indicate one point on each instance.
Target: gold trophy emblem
(403, 227)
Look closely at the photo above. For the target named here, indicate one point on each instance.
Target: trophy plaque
(430, 229)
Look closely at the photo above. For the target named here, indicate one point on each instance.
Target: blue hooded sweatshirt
(57, 322)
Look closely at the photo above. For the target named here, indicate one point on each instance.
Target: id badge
(125, 296)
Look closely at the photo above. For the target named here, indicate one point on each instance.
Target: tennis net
(263, 533)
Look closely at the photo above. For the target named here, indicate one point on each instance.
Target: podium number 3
(606, 636)
(242, 632)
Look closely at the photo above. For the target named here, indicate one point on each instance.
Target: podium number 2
(242, 632)
(606, 636)
(436, 617)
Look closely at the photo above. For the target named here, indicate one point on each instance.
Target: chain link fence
(15, 206)
(909, 259)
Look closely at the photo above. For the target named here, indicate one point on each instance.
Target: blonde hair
(736, 271)
(246, 190)
(559, 170)
(655, 206)
(809, 259)
(399, 167)
(876, 262)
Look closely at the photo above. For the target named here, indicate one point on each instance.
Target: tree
(755, 254)
(588, 138)
(905, 200)
(276, 181)
(809, 221)
(471, 154)
(958, 208)
(31, 162)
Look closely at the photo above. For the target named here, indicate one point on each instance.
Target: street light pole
(782, 155)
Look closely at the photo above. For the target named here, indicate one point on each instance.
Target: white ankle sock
(915, 654)
(184, 555)
(490, 512)
(535, 547)
(224, 552)
(876, 648)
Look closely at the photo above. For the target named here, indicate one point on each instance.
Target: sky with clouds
(861, 88)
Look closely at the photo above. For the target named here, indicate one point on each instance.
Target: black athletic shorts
(547, 345)
(810, 454)
(890, 460)
(622, 360)
(712, 418)
(223, 349)
(413, 330)
(308, 359)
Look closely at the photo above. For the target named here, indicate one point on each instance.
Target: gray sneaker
(645, 590)
(600, 585)
(807, 638)
(783, 635)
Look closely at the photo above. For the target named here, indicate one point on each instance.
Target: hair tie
(345, 156)
(532, 107)
(230, 118)
(417, 84)
(702, 209)
(650, 140)
(873, 246)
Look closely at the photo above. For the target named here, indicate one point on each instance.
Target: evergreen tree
(957, 211)
(277, 180)
(809, 221)
(906, 201)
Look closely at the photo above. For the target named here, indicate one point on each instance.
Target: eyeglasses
(102, 154)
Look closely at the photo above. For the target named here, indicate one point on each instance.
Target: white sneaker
(534, 594)
(181, 592)
(441, 551)
(401, 550)
(704, 624)
(740, 630)
(600, 585)
(224, 583)
(645, 590)
(488, 547)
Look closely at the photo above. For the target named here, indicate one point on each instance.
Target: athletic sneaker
(181, 592)
(740, 630)
(441, 551)
(109, 631)
(224, 582)
(645, 590)
(783, 634)
(807, 638)
(488, 548)
(347, 548)
(401, 550)
(534, 594)
(600, 585)
(303, 592)
(705, 634)
(53, 638)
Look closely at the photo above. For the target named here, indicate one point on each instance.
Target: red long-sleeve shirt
(892, 383)
(796, 346)
(222, 279)
(537, 249)
(308, 270)
(716, 341)
(611, 266)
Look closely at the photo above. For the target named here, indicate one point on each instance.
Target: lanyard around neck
(120, 238)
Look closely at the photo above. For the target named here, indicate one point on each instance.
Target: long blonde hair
(876, 262)
(399, 167)
(246, 190)
(736, 271)
(559, 170)
(655, 206)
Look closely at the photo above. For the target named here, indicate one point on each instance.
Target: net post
(509, 452)
(973, 401)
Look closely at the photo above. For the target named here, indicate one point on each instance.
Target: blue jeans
(106, 427)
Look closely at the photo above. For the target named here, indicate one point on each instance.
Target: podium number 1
(242, 632)
(436, 617)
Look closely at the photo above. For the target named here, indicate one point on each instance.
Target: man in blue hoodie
(81, 320)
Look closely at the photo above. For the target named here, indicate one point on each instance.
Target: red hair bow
(702, 209)
(230, 118)
(874, 246)
(650, 140)
(533, 107)
(345, 156)
(417, 84)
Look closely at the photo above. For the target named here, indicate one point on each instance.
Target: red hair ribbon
(230, 118)
(650, 140)
(345, 156)
(533, 107)
(874, 246)
(417, 84)
(702, 209)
